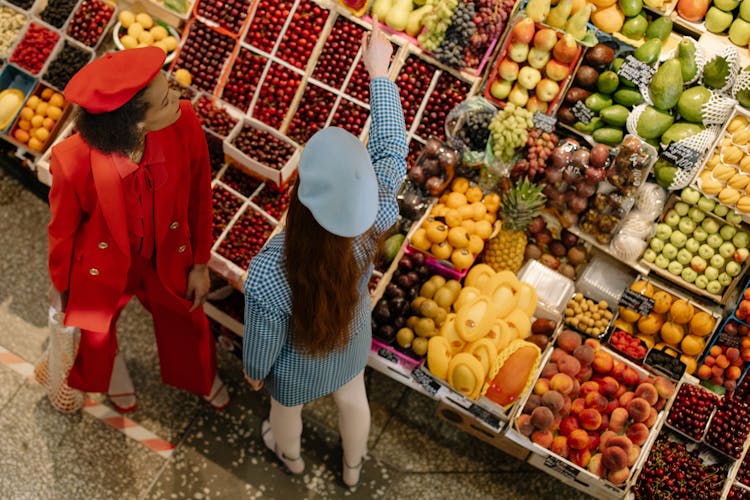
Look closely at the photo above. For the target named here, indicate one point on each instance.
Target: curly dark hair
(114, 131)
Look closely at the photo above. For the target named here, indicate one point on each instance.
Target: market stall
(568, 275)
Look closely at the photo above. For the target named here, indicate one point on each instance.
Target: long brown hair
(323, 274)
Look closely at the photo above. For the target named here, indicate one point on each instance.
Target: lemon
(183, 77)
(159, 33)
(126, 18)
(144, 20)
(128, 42)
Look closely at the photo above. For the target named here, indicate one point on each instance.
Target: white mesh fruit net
(741, 83)
(632, 121)
(698, 142)
(52, 369)
(627, 247)
(717, 110)
(732, 57)
(650, 201)
(700, 59)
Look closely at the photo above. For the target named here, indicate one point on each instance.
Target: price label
(485, 416)
(682, 156)
(544, 121)
(668, 365)
(636, 71)
(582, 113)
(428, 384)
(639, 303)
(729, 340)
(561, 467)
(388, 355)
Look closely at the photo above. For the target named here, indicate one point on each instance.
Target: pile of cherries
(270, 16)
(338, 53)
(311, 114)
(738, 493)
(230, 14)
(729, 427)
(349, 116)
(246, 238)
(413, 80)
(215, 118)
(263, 147)
(243, 79)
(34, 48)
(203, 55)
(67, 63)
(240, 181)
(302, 34)
(449, 91)
(743, 475)
(276, 94)
(691, 410)
(273, 201)
(90, 21)
(225, 206)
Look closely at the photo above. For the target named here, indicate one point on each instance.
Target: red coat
(89, 249)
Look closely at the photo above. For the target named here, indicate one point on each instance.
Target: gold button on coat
(174, 225)
(182, 248)
(94, 271)
(103, 245)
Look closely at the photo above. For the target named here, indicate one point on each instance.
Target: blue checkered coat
(293, 378)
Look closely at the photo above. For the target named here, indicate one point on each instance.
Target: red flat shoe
(123, 409)
(219, 399)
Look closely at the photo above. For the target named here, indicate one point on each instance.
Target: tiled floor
(46, 455)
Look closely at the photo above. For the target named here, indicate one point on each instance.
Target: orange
(54, 112)
(47, 93)
(701, 324)
(483, 229)
(460, 185)
(36, 121)
(42, 134)
(33, 102)
(442, 250)
(57, 100)
(462, 258)
(681, 311)
(476, 244)
(419, 240)
(458, 237)
(662, 301)
(692, 345)
(437, 232)
(492, 202)
(479, 210)
(21, 136)
(455, 200)
(474, 194)
(27, 113)
(24, 124)
(690, 362)
(643, 287)
(629, 315)
(35, 145)
(469, 225)
(672, 333)
(452, 217)
(650, 325)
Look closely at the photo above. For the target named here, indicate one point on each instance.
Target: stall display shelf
(638, 267)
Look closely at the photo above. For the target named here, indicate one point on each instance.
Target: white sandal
(351, 473)
(295, 465)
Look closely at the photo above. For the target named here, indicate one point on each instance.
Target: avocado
(607, 82)
(715, 73)
(664, 172)
(649, 51)
(628, 97)
(635, 27)
(615, 115)
(660, 28)
(630, 7)
(679, 131)
(666, 85)
(686, 56)
(653, 123)
(691, 103)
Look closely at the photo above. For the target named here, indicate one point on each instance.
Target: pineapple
(520, 204)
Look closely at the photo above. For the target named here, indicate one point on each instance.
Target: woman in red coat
(131, 215)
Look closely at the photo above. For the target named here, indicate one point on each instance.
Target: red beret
(110, 81)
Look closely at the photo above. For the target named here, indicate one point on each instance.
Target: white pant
(354, 422)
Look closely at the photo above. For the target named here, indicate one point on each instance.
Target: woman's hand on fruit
(376, 51)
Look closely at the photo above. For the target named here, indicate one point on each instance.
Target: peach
(704, 372)
(730, 385)
(562, 383)
(531, 403)
(618, 476)
(717, 380)
(541, 386)
(648, 392)
(709, 361)
(604, 438)
(603, 362)
(639, 409)
(568, 340)
(525, 427)
(549, 370)
(557, 354)
(542, 418)
(617, 370)
(638, 433)
(620, 442)
(576, 386)
(608, 386)
(633, 455)
(595, 465)
(659, 406)
(617, 420)
(542, 438)
(578, 439)
(568, 425)
(722, 361)
(625, 398)
(596, 401)
(584, 354)
(611, 405)
(733, 373)
(567, 403)
(586, 372)
(569, 365)
(614, 458)
(594, 440)
(621, 390)
(717, 371)
(588, 387)
(553, 400)
(604, 425)
(593, 343)
(651, 420)
(580, 457)
(590, 419)
(733, 354)
(578, 406)
(559, 446)
(630, 377)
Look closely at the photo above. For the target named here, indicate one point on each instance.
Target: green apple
(508, 70)
(692, 245)
(675, 268)
(684, 257)
(697, 215)
(672, 218)
(681, 208)
(727, 5)
(739, 32)
(705, 251)
(678, 239)
(500, 89)
(518, 95)
(725, 279)
(726, 250)
(706, 204)
(745, 10)
(741, 255)
(717, 21)
(721, 210)
(698, 264)
(690, 195)
(538, 58)
(688, 274)
(714, 241)
(661, 261)
(734, 218)
(649, 255)
(656, 244)
(686, 225)
(733, 268)
(663, 231)
(717, 261)
(669, 251)
(518, 52)
(741, 239)
(528, 77)
(710, 225)
(701, 281)
(711, 273)
(714, 287)
(700, 234)
(727, 232)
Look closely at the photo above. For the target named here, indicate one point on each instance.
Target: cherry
(214, 117)
(34, 48)
(203, 54)
(413, 81)
(312, 113)
(245, 238)
(338, 53)
(301, 35)
(691, 410)
(89, 21)
(449, 92)
(350, 116)
(263, 147)
(243, 79)
(229, 14)
(269, 19)
(272, 200)
(225, 205)
(240, 181)
(276, 94)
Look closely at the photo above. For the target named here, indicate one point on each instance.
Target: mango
(649, 51)
(666, 86)
(630, 7)
(628, 97)
(691, 102)
(715, 73)
(589, 128)
(607, 82)
(652, 123)
(635, 27)
(686, 56)
(615, 115)
(660, 28)
(608, 19)
(664, 172)
(598, 101)
(679, 131)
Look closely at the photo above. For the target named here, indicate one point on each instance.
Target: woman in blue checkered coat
(307, 312)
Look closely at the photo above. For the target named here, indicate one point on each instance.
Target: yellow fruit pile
(673, 322)
(38, 118)
(483, 319)
(458, 225)
(726, 175)
(139, 30)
